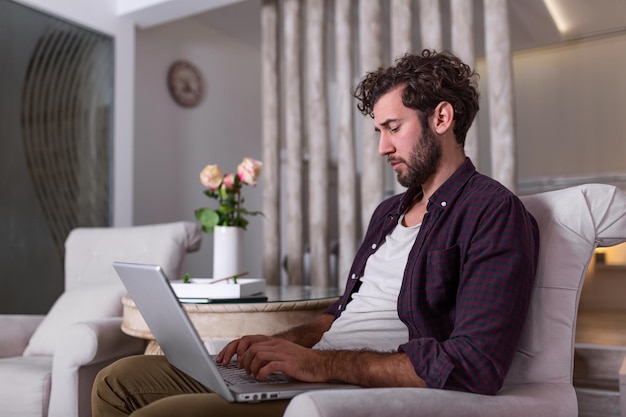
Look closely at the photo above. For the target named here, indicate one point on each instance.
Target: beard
(423, 160)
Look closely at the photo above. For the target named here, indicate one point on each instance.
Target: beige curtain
(323, 176)
(462, 39)
(318, 141)
(271, 142)
(401, 15)
(501, 114)
(346, 169)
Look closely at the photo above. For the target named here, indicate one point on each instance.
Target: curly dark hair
(429, 79)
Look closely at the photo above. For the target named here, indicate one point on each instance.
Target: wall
(569, 108)
(569, 116)
(566, 125)
(173, 144)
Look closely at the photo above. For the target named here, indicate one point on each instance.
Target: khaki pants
(149, 386)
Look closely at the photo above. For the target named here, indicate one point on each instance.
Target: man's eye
(395, 129)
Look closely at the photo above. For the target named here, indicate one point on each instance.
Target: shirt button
(443, 204)
(353, 276)
(373, 245)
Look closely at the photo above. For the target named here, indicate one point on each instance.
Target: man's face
(412, 149)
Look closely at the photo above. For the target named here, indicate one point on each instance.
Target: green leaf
(208, 218)
(226, 208)
(249, 213)
(240, 222)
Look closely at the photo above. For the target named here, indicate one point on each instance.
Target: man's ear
(443, 117)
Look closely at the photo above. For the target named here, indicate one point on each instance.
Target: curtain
(323, 174)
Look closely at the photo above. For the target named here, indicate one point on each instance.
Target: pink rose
(229, 180)
(211, 177)
(249, 170)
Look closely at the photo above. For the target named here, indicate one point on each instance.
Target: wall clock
(184, 82)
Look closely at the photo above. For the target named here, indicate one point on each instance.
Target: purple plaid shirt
(467, 283)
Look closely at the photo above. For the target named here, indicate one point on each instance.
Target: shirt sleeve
(482, 283)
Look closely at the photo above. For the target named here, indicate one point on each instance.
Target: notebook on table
(179, 340)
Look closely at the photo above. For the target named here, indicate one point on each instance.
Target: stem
(237, 203)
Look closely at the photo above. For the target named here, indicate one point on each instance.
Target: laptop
(179, 340)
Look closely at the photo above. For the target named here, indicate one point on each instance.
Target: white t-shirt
(370, 321)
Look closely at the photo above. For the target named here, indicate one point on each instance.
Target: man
(438, 292)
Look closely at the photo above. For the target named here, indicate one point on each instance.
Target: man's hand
(263, 358)
(304, 335)
(238, 347)
(263, 355)
(290, 353)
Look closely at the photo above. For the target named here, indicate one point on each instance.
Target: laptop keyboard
(233, 375)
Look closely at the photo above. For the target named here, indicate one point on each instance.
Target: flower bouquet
(226, 189)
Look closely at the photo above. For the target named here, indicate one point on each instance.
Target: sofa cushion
(572, 223)
(17, 329)
(33, 376)
(91, 251)
(84, 303)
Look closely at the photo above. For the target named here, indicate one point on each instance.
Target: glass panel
(56, 80)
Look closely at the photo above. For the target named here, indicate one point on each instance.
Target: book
(202, 288)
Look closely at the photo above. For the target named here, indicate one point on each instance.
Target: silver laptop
(180, 342)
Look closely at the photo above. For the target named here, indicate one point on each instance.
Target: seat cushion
(83, 303)
(25, 386)
(536, 400)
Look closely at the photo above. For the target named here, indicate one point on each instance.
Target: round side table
(219, 323)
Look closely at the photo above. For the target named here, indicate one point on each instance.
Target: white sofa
(572, 223)
(48, 363)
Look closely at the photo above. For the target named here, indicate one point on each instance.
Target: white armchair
(48, 363)
(572, 223)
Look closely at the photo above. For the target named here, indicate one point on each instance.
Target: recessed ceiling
(582, 18)
(533, 23)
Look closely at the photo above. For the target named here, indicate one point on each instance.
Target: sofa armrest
(17, 330)
(532, 400)
(83, 349)
(101, 340)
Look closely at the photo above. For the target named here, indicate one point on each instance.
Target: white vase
(227, 251)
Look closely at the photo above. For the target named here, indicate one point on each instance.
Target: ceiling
(531, 21)
(536, 23)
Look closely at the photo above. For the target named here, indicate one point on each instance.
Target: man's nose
(384, 145)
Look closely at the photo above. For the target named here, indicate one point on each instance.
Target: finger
(246, 344)
(226, 354)
(262, 356)
(298, 363)
(242, 349)
(270, 368)
(247, 359)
